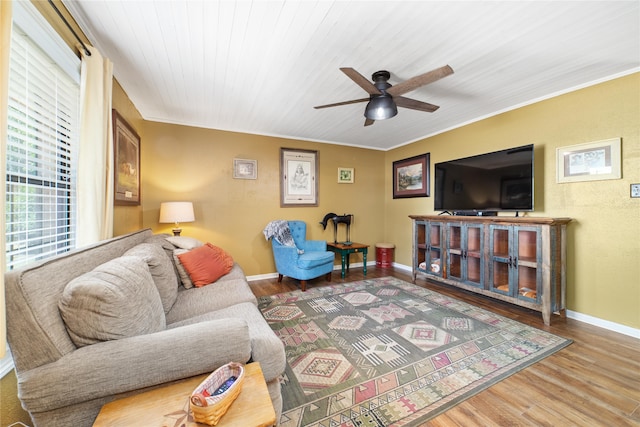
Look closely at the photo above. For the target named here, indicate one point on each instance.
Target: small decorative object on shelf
(336, 220)
(212, 398)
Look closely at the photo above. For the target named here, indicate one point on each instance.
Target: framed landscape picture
(411, 177)
(126, 143)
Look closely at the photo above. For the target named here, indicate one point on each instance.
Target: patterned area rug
(384, 352)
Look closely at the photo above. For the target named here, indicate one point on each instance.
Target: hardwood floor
(595, 381)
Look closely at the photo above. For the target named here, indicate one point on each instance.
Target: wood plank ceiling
(260, 66)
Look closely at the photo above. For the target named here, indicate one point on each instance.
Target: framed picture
(345, 175)
(592, 161)
(298, 177)
(245, 169)
(126, 143)
(411, 177)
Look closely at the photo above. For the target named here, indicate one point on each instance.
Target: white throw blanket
(279, 230)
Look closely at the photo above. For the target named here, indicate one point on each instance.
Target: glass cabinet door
(429, 237)
(515, 263)
(528, 261)
(464, 252)
(500, 261)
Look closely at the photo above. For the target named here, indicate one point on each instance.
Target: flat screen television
(486, 183)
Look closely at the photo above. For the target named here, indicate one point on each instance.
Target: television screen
(497, 181)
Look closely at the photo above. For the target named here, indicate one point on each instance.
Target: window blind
(41, 161)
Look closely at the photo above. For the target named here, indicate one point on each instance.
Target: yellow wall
(195, 164)
(127, 218)
(604, 238)
(185, 163)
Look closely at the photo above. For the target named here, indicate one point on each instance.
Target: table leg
(343, 255)
(364, 258)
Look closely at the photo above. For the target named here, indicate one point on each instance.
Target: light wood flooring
(595, 381)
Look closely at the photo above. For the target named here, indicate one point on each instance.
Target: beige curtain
(95, 166)
(5, 39)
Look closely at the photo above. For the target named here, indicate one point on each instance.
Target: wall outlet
(635, 190)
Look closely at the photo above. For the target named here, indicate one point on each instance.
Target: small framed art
(245, 169)
(345, 175)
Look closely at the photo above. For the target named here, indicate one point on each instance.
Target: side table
(169, 406)
(346, 250)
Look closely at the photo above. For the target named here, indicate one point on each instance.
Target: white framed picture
(245, 169)
(592, 161)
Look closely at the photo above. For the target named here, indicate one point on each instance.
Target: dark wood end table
(345, 250)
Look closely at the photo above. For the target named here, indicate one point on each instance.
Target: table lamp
(176, 212)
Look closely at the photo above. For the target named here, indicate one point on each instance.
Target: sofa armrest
(128, 364)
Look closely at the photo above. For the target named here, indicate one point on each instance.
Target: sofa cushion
(115, 300)
(162, 271)
(230, 289)
(266, 347)
(206, 264)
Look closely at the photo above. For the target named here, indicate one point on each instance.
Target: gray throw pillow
(162, 271)
(117, 299)
(184, 276)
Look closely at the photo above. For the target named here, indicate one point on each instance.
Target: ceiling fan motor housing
(381, 106)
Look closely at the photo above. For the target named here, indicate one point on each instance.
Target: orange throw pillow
(206, 264)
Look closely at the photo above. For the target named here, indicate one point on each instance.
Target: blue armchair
(306, 260)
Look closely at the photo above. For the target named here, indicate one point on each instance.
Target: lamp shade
(380, 107)
(176, 212)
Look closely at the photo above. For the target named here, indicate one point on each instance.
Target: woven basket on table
(208, 410)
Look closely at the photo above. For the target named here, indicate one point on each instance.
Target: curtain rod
(86, 51)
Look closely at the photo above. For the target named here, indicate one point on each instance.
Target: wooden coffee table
(345, 250)
(169, 406)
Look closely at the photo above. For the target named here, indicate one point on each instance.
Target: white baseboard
(605, 324)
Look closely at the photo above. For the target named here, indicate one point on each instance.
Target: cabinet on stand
(520, 260)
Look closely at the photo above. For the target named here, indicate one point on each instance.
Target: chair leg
(303, 285)
(279, 278)
(328, 277)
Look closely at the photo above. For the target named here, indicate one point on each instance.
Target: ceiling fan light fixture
(381, 107)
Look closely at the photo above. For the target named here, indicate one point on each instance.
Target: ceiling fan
(384, 98)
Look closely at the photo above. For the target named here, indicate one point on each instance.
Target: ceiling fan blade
(368, 122)
(361, 81)
(418, 81)
(355, 101)
(401, 101)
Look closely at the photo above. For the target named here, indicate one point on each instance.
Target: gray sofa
(65, 374)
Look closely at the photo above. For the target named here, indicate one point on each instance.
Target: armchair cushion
(314, 259)
(115, 300)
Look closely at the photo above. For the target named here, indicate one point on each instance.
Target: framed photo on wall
(592, 161)
(298, 177)
(411, 177)
(245, 169)
(126, 143)
(345, 175)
